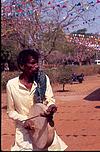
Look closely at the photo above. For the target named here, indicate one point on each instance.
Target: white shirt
(19, 102)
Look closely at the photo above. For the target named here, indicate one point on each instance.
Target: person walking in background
(22, 94)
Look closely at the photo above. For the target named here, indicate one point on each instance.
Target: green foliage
(61, 74)
(5, 76)
(9, 51)
(6, 50)
(84, 32)
(87, 70)
(64, 76)
(57, 75)
(52, 73)
(80, 31)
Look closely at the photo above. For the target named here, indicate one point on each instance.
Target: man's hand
(29, 124)
(51, 109)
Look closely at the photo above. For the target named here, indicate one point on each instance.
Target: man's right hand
(29, 124)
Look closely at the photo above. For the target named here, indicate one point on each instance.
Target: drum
(42, 134)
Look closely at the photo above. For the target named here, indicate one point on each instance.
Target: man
(22, 93)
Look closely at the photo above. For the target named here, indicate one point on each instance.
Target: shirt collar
(34, 85)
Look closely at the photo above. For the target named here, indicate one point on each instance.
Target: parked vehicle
(77, 78)
(97, 62)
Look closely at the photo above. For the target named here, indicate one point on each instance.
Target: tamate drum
(42, 134)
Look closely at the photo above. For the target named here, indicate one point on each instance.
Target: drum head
(40, 134)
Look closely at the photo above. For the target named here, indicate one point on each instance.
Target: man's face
(31, 66)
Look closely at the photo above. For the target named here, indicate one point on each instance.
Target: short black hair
(24, 54)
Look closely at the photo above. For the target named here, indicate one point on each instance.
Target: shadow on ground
(62, 90)
(98, 107)
(94, 96)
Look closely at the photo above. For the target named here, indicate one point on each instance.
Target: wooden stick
(32, 117)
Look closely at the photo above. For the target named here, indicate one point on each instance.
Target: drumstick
(40, 115)
(31, 118)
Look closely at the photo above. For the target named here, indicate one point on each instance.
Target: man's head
(28, 60)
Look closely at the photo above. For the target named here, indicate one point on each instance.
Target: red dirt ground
(77, 120)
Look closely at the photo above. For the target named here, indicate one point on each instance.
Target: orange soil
(77, 120)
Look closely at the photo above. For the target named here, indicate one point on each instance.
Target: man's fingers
(52, 109)
(29, 124)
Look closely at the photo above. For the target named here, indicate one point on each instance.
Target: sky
(92, 27)
(95, 26)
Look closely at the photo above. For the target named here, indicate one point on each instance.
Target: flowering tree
(36, 23)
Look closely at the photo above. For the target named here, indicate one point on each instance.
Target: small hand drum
(43, 134)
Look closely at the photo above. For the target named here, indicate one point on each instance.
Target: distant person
(6, 67)
(74, 77)
(21, 91)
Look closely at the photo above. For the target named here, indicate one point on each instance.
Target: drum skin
(42, 134)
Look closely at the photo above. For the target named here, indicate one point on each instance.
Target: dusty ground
(77, 120)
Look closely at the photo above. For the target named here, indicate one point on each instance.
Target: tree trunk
(63, 87)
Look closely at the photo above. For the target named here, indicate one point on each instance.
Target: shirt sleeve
(49, 97)
(12, 113)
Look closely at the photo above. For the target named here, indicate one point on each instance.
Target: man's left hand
(51, 109)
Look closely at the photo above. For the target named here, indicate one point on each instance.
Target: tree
(37, 23)
(80, 31)
(64, 76)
